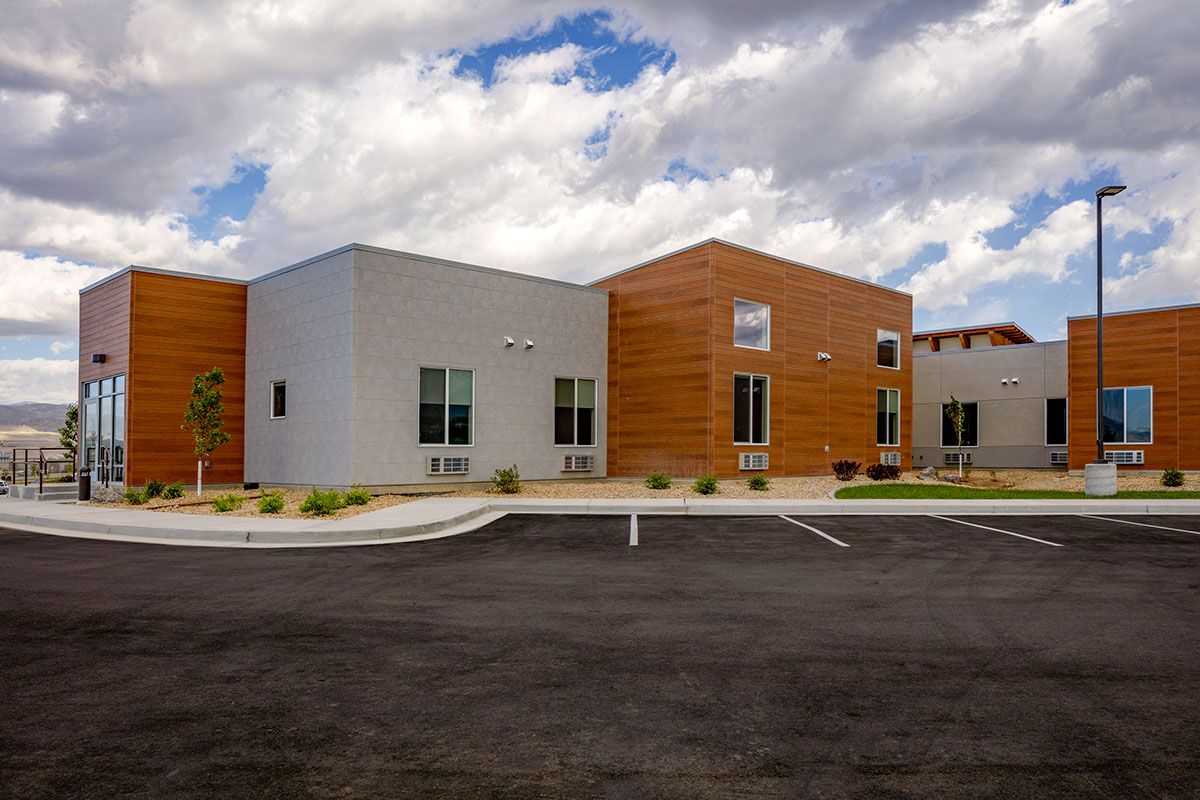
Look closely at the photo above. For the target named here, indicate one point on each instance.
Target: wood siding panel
(180, 327)
(104, 328)
(658, 370)
(1153, 348)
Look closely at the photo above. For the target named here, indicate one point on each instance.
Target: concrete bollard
(1100, 479)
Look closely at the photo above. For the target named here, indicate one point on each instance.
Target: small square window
(751, 324)
(278, 399)
(887, 348)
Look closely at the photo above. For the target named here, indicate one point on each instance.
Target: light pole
(1107, 191)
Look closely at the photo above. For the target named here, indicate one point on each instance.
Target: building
(725, 360)
(1151, 388)
(1013, 391)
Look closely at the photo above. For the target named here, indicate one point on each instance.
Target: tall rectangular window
(103, 428)
(278, 399)
(751, 324)
(751, 409)
(887, 348)
(575, 411)
(887, 417)
(446, 400)
(1129, 415)
(1056, 421)
(970, 434)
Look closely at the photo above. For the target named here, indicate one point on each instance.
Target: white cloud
(38, 380)
(57, 348)
(40, 295)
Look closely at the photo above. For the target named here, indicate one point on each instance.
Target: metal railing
(43, 466)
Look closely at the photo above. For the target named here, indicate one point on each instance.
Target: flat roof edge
(989, 349)
(1182, 307)
(736, 246)
(156, 271)
(986, 325)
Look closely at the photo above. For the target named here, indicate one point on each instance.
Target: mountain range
(47, 417)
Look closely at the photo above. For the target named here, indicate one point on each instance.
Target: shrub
(154, 488)
(846, 470)
(228, 502)
(758, 483)
(271, 502)
(357, 496)
(173, 491)
(1172, 477)
(507, 481)
(705, 484)
(657, 480)
(883, 472)
(134, 497)
(966, 472)
(322, 504)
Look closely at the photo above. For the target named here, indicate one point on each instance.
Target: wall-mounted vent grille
(1124, 456)
(952, 458)
(579, 463)
(447, 465)
(1058, 458)
(889, 459)
(752, 461)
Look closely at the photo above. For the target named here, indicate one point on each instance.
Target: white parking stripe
(997, 530)
(1142, 524)
(814, 530)
(632, 530)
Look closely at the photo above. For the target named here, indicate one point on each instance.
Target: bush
(846, 470)
(657, 480)
(173, 491)
(134, 497)
(271, 502)
(1172, 477)
(357, 496)
(705, 484)
(322, 504)
(228, 502)
(154, 488)
(883, 472)
(758, 483)
(507, 481)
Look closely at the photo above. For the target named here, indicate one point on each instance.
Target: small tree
(203, 417)
(956, 415)
(68, 434)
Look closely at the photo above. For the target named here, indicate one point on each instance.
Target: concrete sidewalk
(436, 517)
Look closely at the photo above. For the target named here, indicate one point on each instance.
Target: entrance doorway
(104, 429)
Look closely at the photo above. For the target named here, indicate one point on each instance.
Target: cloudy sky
(949, 148)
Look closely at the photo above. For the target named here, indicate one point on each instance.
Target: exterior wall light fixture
(529, 344)
(508, 341)
(98, 358)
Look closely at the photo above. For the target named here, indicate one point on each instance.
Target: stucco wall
(1012, 417)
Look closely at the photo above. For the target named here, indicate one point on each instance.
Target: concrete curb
(436, 517)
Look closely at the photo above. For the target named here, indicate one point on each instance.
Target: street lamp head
(1109, 191)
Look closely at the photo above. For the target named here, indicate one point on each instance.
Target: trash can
(85, 483)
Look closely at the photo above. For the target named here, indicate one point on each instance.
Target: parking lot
(544, 656)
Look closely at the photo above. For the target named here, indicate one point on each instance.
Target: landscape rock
(927, 474)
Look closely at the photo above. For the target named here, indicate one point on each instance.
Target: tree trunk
(199, 467)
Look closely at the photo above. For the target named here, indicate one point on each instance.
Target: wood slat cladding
(672, 363)
(179, 327)
(1151, 348)
(104, 328)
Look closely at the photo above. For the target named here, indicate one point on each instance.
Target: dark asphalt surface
(543, 657)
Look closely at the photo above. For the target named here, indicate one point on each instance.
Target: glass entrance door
(104, 429)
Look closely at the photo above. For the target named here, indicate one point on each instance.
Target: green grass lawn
(909, 491)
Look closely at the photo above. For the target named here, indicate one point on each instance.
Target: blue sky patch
(234, 200)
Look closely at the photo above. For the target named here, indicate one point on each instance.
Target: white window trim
(767, 306)
(575, 415)
(955, 447)
(1125, 422)
(899, 413)
(766, 410)
(446, 407)
(1046, 426)
(271, 399)
(898, 347)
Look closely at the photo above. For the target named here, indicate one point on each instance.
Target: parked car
(3, 486)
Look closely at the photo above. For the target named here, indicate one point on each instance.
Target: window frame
(1066, 422)
(575, 412)
(899, 413)
(942, 426)
(1125, 419)
(766, 442)
(446, 407)
(767, 306)
(885, 366)
(271, 399)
